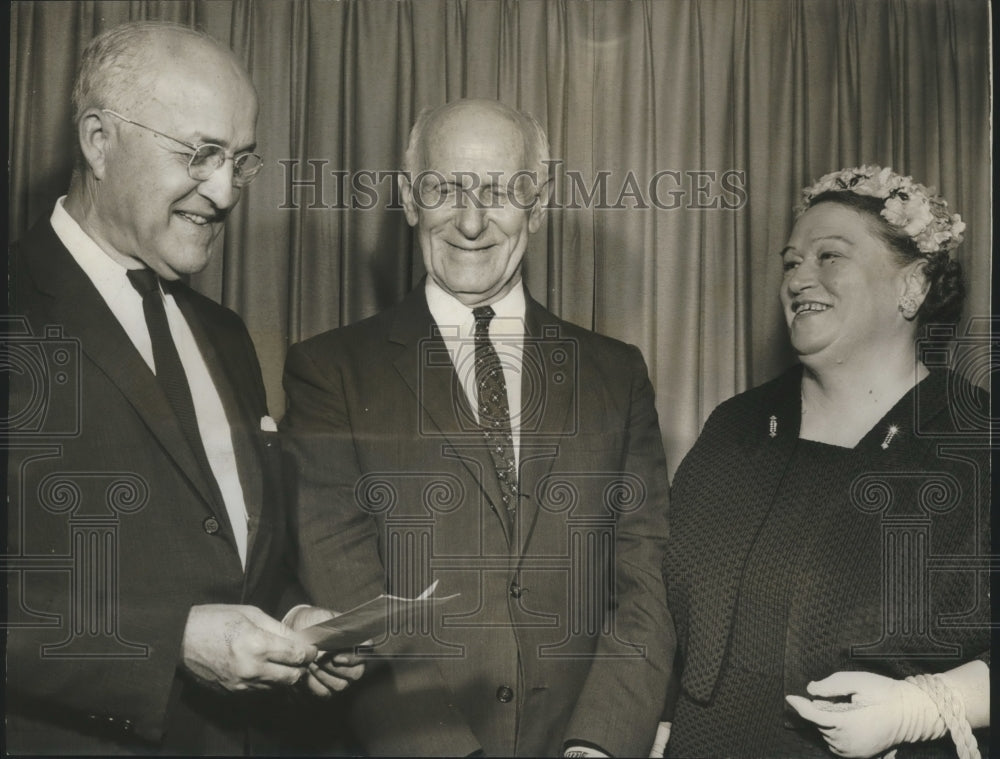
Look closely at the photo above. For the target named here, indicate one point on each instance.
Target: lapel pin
(893, 431)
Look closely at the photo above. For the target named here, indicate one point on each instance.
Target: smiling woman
(867, 264)
(797, 584)
(841, 295)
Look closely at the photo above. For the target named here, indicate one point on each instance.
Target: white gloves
(660, 741)
(583, 751)
(882, 712)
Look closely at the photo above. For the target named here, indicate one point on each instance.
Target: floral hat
(916, 210)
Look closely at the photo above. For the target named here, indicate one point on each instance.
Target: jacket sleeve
(101, 668)
(401, 708)
(622, 699)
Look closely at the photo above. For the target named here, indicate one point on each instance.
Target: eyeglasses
(208, 157)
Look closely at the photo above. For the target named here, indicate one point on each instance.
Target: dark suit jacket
(114, 532)
(561, 630)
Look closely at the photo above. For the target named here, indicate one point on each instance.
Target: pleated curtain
(690, 124)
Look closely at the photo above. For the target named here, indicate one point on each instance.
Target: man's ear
(93, 141)
(406, 194)
(541, 207)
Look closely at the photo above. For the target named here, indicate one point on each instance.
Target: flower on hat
(916, 210)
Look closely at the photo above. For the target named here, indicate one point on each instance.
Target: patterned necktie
(494, 411)
(169, 370)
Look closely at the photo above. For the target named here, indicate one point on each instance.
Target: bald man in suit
(469, 436)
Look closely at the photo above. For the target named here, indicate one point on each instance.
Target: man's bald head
(535, 145)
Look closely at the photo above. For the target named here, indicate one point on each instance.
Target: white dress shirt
(111, 280)
(458, 329)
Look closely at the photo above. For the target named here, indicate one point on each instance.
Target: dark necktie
(494, 411)
(169, 370)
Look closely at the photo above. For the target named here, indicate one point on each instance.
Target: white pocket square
(267, 424)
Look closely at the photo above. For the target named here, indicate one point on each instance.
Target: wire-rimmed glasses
(208, 157)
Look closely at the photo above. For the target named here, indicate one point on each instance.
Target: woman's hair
(946, 294)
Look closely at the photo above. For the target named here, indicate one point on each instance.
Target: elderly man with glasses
(148, 547)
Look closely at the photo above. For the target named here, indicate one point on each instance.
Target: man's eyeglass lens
(208, 159)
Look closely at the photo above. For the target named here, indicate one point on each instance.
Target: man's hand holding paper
(241, 648)
(365, 623)
(332, 671)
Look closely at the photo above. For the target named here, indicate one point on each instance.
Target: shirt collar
(101, 268)
(449, 312)
(108, 275)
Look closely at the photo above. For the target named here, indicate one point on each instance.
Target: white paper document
(369, 621)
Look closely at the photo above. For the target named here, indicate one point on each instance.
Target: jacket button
(504, 694)
(211, 525)
(516, 590)
(127, 725)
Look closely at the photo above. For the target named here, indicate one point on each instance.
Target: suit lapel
(241, 404)
(547, 402)
(245, 403)
(79, 308)
(425, 366)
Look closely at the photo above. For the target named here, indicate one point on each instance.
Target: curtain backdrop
(698, 120)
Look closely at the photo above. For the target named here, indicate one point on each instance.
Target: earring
(908, 306)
